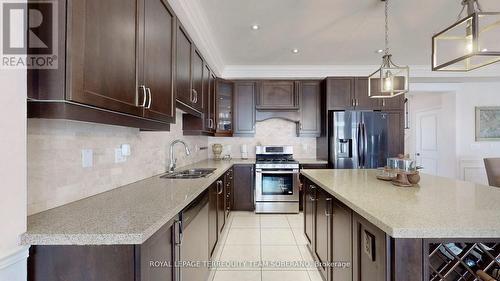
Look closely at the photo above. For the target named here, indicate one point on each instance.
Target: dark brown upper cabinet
(106, 75)
(395, 103)
(189, 74)
(100, 75)
(224, 108)
(340, 93)
(277, 95)
(310, 113)
(206, 98)
(361, 99)
(244, 108)
(212, 102)
(158, 56)
(183, 71)
(197, 81)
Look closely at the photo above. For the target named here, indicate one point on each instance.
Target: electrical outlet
(87, 158)
(119, 157)
(125, 149)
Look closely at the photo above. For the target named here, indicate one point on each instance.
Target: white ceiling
(327, 32)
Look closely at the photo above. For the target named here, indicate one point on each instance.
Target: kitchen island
(442, 229)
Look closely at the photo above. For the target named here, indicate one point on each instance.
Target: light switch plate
(119, 157)
(87, 158)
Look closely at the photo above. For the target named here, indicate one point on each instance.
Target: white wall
(12, 174)
(470, 152)
(444, 103)
(467, 160)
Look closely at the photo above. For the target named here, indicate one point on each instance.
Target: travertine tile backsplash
(55, 173)
(56, 176)
(269, 132)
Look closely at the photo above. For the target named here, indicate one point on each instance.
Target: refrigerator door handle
(358, 144)
(365, 145)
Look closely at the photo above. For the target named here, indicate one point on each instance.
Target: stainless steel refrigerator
(358, 139)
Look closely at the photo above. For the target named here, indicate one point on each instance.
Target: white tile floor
(249, 237)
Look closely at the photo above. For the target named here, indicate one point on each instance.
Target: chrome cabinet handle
(143, 88)
(383, 102)
(195, 96)
(179, 237)
(329, 207)
(221, 186)
(150, 98)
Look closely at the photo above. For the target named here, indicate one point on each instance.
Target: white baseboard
(13, 265)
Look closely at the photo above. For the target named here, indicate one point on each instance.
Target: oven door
(276, 185)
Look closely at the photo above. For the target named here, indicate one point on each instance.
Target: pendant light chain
(387, 27)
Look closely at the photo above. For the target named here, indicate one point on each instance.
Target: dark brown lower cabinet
(150, 261)
(341, 239)
(212, 218)
(369, 250)
(243, 187)
(221, 207)
(309, 211)
(323, 232)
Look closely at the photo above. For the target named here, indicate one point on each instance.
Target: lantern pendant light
(389, 80)
(470, 43)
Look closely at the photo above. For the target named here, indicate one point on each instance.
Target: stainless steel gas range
(276, 180)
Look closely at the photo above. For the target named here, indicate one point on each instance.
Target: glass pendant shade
(470, 43)
(389, 80)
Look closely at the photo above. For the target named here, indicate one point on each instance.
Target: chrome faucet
(173, 160)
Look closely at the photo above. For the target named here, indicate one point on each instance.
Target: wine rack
(463, 261)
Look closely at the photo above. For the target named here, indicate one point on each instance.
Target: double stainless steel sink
(189, 173)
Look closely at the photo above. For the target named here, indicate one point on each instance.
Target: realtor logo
(29, 34)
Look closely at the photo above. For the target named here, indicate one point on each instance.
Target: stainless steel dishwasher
(192, 241)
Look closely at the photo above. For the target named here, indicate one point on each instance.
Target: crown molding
(321, 71)
(194, 20)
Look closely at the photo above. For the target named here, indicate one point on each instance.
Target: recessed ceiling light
(484, 50)
(295, 51)
(255, 27)
(379, 51)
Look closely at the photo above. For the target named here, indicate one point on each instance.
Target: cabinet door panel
(212, 102)
(277, 95)
(206, 98)
(363, 101)
(158, 247)
(158, 58)
(183, 67)
(395, 103)
(340, 93)
(212, 218)
(221, 208)
(322, 241)
(244, 108)
(341, 240)
(309, 211)
(395, 133)
(224, 107)
(310, 100)
(243, 188)
(100, 75)
(197, 82)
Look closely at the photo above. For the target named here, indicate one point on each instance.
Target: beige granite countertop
(438, 208)
(311, 161)
(125, 215)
